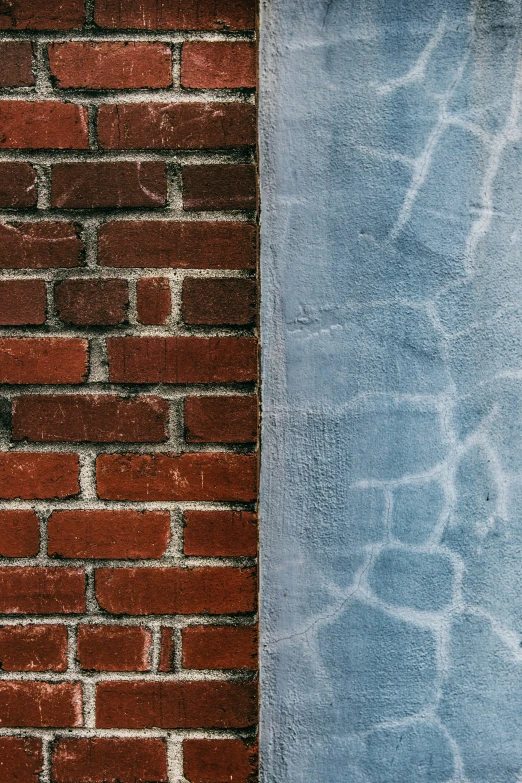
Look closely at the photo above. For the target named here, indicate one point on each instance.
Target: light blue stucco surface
(391, 511)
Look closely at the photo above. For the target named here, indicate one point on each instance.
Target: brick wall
(128, 363)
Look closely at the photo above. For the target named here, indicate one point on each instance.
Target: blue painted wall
(391, 138)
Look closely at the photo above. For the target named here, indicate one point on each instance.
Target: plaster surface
(391, 147)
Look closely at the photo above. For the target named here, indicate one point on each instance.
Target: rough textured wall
(392, 355)
(128, 361)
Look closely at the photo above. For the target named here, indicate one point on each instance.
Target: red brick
(142, 591)
(40, 704)
(182, 359)
(38, 476)
(211, 64)
(104, 185)
(43, 125)
(153, 300)
(22, 302)
(19, 534)
(93, 418)
(220, 533)
(42, 590)
(109, 534)
(16, 64)
(164, 126)
(38, 15)
(214, 477)
(33, 648)
(221, 419)
(43, 360)
(106, 760)
(171, 705)
(219, 647)
(186, 15)
(21, 759)
(114, 648)
(99, 302)
(212, 301)
(167, 650)
(168, 244)
(39, 245)
(110, 65)
(219, 761)
(219, 187)
(17, 183)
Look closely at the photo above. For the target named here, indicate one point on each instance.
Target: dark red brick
(169, 244)
(106, 760)
(43, 360)
(221, 419)
(219, 761)
(19, 533)
(99, 302)
(42, 590)
(43, 125)
(16, 63)
(219, 647)
(219, 187)
(213, 477)
(115, 534)
(94, 418)
(38, 15)
(33, 648)
(142, 591)
(164, 126)
(40, 704)
(170, 705)
(167, 650)
(114, 648)
(21, 759)
(110, 65)
(39, 245)
(212, 301)
(220, 533)
(186, 15)
(17, 183)
(22, 302)
(153, 300)
(217, 64)
(38, 476)
(182, 359)
(104, 185)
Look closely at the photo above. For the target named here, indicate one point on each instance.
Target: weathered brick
(221, 419)
(94, 418)
(213, 301)
(153, 300)
(187, 15)
(19, 534)
(108, 534)
(17, 183)
(21, 759)
(43, 360)
(99, 302)
(33, 648)
(42, 590)
(40, 704)
(22, 302)
(103, 185)
(110, 65)
(167, 650)
(219, 647)
(43, 125)
(38, 476)
(182, 359)
(137, 705)
(164, 126)
(213, 477)
(16, 63)
(219, 761)
(217, 64)
(108, 759)
(169, 244)
(114, 648)
(142, 591)
(39, 245)
(37, 15)
(220, 533)
(219, 187)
